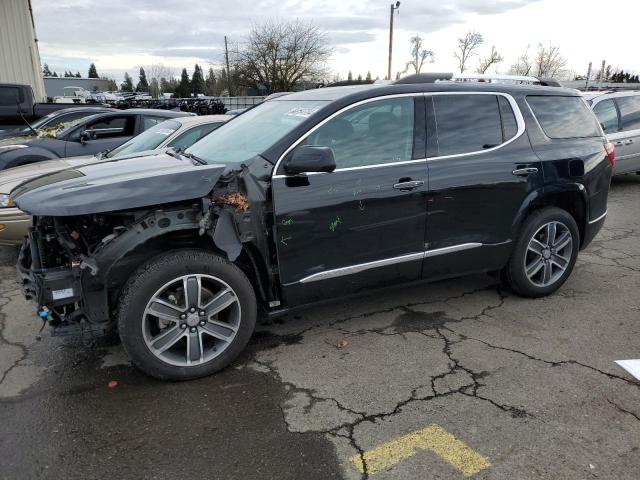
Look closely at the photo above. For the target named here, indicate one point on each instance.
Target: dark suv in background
(312, 196)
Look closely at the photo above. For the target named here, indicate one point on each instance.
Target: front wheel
(186, 314)
(544, 254)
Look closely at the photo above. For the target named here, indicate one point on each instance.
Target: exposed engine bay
(74, 267)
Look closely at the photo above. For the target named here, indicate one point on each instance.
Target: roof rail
(476, 77)
(423, 78)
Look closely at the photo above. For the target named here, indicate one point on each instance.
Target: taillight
(611, 153)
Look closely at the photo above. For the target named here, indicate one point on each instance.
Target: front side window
(373, 133)
(629, 112)
(191, 136)
(10, 96)
(607, 114)
(564, 117)
(148, 140)
(467, 123)
(110, 127)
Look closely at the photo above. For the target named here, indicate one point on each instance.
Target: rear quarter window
(564, 117)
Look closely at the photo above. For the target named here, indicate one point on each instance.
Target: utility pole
(601, 76)
(226, 55)
(392, 10)
(586, 85)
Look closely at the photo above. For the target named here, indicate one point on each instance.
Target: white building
(19, 56)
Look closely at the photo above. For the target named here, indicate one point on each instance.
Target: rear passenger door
(627, 140)
(481, 169)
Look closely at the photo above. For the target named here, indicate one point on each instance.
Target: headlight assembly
(6, 201)
(8, 148)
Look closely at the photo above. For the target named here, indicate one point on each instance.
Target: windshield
(38, 123)
(254, 131)
(147, 140)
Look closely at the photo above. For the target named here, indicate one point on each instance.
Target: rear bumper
(14, 226)
(592, 228)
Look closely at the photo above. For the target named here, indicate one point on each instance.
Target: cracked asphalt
(530, 385)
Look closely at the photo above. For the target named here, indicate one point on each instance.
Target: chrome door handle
(619, 143)
(410, 185)
(523, 172)
(628, 142)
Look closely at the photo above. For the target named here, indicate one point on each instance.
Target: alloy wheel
(548, 254)
(191, 320)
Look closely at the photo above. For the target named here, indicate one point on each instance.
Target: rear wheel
(544, 254)
(186, 314)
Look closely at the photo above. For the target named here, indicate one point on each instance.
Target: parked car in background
(17, 104)
(619, 115)
(88, 136)
(53, 120)
(310, 197)
(177, 133)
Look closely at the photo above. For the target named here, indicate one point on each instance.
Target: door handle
(408, 185)
(619, 143)
(523, 172)
(628, 142)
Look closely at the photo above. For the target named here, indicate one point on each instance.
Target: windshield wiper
(193, 157)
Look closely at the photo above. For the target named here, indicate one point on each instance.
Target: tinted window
(629, 112)
(607, 115)
(370, 134)
(509, 124)
(192, 136)
(564, 117)
(110, 127)
(467, 123)
(10, 96)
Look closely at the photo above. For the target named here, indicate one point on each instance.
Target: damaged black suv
(312, 196)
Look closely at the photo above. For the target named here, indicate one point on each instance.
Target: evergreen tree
(143, 85)
(93, 73)
(368, 76)
(197, 81)
(184, 88)
(210, 83)
(67, 74)
(112, 85)
(127, 85)
(45, 71)
(55, 74)
(78, 75)
(350, 76)
(359, 77)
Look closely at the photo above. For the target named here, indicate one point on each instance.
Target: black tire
(514, 273)
(146, 281)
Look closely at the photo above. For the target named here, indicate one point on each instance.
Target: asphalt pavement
(447, 380)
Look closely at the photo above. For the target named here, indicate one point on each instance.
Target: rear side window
(564, 117)
(509, 124)
(467, 123)
(192, 136)
(629, 112)
(607, 115)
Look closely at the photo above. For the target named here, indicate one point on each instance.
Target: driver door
(363, 225)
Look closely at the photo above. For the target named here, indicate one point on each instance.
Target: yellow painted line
(433, 438)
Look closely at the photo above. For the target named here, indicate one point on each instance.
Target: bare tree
(279, 55)
(549, 62)
(156, 72)
(523, 64)
(419, 55)
(493, 59)
(467, 47)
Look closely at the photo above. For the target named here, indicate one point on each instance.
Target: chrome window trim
(330, 117)
(351, 269)
(599, 218)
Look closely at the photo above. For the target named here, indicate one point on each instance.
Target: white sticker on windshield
(164, 131)
(302, 111)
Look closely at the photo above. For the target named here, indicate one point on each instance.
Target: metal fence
(232, 103)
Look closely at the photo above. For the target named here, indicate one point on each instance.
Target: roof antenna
(24, 119)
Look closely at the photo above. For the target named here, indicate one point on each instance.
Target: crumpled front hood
(117, 184)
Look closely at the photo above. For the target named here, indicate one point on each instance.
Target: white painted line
(631, 366)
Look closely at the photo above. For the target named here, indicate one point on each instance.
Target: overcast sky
(122, 35)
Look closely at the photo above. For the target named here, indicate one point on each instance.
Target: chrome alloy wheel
(548, 254)
(191, 320)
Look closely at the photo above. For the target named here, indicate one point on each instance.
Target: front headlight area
(6, 201)
(8, 148)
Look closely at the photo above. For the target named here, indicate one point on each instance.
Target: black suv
(312, 196)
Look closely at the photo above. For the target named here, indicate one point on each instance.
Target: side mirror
(87, 135)
(310, 158)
